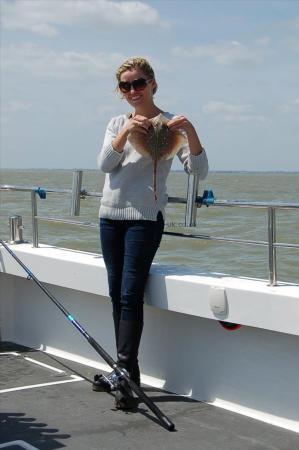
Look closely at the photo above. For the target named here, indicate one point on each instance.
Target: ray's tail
(155, 161)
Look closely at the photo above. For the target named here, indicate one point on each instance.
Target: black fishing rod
(121, 373)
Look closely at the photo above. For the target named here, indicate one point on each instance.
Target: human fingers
(176, 121)
(141, 124)
(141, 129)
(138, 126)
(143, 121)
(181, 123)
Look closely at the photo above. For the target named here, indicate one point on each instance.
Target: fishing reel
(108, 383)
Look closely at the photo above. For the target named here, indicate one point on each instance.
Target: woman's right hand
(137, 123)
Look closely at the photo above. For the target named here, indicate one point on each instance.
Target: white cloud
(39, 61)
(244, 118)
(10, 108)
(296, 22)
(15, 106)
(263, 41)
(216, 107)
(293, 43)
(291, 40)
(291, 106)
(233, 113)
(44, 17)
(227, 53)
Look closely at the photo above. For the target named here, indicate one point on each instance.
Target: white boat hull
(252, 371)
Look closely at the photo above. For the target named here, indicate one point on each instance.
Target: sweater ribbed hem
(130, 213)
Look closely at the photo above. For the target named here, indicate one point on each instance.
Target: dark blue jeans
(128, 248)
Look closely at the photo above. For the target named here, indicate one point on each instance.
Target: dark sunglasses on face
(138, 85)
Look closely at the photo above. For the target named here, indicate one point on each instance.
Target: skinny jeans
(128, 248)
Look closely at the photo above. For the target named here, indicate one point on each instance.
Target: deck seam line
(32, 386)
(34, 361)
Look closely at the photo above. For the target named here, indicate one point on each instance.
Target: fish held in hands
(160, 143)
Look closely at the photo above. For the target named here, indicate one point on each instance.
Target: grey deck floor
(70, 415)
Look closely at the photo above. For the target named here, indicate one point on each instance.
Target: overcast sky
(232, 67)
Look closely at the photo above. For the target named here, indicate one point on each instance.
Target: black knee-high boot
(116, 318)
(127, 353)
(106, 383)
(109, 382)
(135, 372)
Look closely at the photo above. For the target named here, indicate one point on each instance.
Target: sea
(198, 255)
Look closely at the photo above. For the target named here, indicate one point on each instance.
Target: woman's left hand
(180, 122)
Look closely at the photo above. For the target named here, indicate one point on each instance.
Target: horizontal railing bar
(224, 203)
(33, 188)
(177, 200)
(70, 222)
(244, 204)
(92, 194)
(285, 245)
(216, 238)
(48, 190)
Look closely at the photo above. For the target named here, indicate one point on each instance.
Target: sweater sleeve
(194, 164)
(108, 158)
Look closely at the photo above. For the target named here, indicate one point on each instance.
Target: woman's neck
(149, 111)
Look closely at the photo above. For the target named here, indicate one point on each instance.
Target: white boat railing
(192, 202)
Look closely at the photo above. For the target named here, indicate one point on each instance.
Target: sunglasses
(137, 85)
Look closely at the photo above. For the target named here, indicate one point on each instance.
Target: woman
(131, 218)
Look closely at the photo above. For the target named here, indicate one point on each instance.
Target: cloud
(42, 62)
(291, 106)
(15, 106)
(291, 40)
(296, 22)
(245, 118)
(227, 53)
(216, 107)
(44, 17)
(233, 113)
(292, 43)
(10, 108)
(263, 41)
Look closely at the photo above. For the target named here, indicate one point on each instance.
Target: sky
(231, 67)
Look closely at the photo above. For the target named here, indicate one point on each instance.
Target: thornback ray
(160, 143)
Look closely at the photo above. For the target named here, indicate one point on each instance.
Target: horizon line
(173, 170)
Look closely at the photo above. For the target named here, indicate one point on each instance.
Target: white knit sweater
(128, 191)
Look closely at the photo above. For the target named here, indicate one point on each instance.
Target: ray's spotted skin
(160, 142)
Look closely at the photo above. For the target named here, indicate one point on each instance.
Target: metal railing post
(271, 246)
(76, 192)
(34, 219)
(191, 206)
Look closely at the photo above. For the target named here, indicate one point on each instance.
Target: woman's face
(137, 98)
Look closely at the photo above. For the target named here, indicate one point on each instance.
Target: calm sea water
(204, 256)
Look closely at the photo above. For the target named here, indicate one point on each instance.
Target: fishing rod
(121, 373)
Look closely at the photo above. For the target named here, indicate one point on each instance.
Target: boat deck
(52, 406)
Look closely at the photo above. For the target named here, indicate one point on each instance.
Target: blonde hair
(137, 62)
